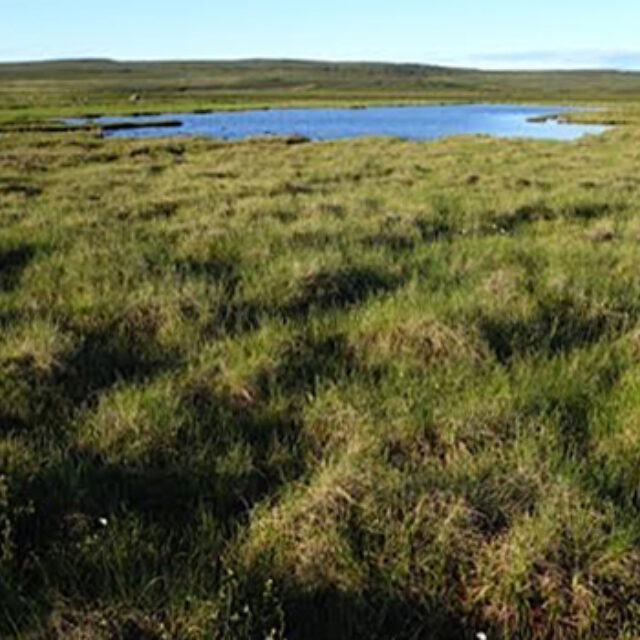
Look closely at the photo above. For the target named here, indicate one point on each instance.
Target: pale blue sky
(483, 33)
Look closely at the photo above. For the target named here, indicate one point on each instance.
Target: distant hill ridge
(88, 85)
(400, 67)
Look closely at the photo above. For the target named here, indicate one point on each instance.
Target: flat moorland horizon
(77, 87)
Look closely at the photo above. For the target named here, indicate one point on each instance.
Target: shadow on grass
(159, 210)
(307, 361)
(12, 263)
(234, 317)
(225, 456)
(220, 270)
(590, 210)
(196, 467)
(312, 240)
(572, 402)
(319, 292)
(10, 317)
(511, 220)
(532, 212)
(556, 326)
(432, 230)
(317, 615)
(28, 190)
(229, 313)
(392, 241)
(41, 402)
(338, 289)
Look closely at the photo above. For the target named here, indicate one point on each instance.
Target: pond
(412, 122)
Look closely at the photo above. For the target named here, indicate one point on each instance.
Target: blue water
(414, 122)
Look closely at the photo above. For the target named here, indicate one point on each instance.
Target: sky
(500, 34)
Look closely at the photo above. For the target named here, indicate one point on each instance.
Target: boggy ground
(357, 389)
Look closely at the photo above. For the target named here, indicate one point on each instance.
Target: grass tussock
(278, 389)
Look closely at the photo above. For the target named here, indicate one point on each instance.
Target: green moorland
(356, 389)
(34, 90)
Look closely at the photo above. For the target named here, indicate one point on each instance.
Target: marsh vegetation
(347, 389)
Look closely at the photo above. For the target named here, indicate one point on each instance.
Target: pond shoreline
(407, 121)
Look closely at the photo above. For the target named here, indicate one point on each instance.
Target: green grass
(65, 88)
(355, 389)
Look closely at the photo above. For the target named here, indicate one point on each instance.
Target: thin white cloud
(583, 59)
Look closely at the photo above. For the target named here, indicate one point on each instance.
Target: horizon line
(301, 60)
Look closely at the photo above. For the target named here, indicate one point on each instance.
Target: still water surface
(413, 122)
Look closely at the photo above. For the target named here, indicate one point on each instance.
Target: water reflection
(413, 122)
